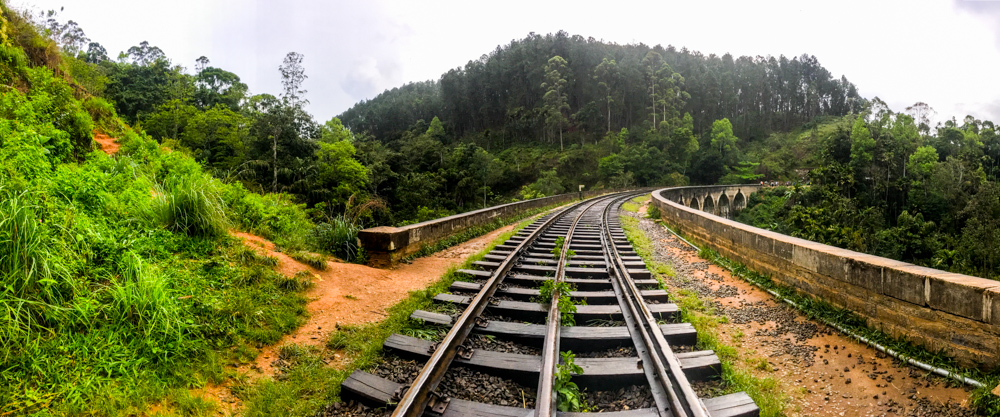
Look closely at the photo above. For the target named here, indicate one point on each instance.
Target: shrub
(273, 216)
(190, 204)
(339, 237)
(653, 212)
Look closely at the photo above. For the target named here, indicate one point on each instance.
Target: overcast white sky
(945, 53)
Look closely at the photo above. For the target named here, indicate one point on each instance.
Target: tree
(280, 133)
(435, 131)
(652, 64)
(607, 75)
(219, 135)
(338, 174)
(555, 99)
(333, 131)
(72, 39)
(683, 142)
(137, 90)
(293, 74)
(201, 63)
(214, 86)
(143, 55)
(95, 54)
(921, 113)
(723, 137)
(862, 147)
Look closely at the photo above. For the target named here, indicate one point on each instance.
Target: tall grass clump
(24, 254)
(339, 237)
(28, 276)
(190, 204)
(142, 301)
(339, 234)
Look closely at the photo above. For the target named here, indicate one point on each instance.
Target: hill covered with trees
(557, 110)
(536, 117)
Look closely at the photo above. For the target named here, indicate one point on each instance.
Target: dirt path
(343, 294)
(106, 143)
(823, 372)
(351, 294)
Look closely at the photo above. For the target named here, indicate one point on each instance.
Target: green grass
(737, 375)
(643, 246)
(314, 260)
(190, 204)
(634, 204)
(310, 384)
(113, 297)
(340, 238)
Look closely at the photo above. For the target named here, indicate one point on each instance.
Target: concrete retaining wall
(939, 310)
(387, 245)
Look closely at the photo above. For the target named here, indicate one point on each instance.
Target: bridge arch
(724, 208)
(739, 201)
(693, 203)
(709, 204)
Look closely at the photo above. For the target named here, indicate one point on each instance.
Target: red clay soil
(351, 294)
(371, 292)
(107, 143)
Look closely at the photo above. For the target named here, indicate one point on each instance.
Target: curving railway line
(626, 332)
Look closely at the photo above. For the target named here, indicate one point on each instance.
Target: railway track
(626, 335)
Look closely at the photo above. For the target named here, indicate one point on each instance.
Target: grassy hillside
(119, 284)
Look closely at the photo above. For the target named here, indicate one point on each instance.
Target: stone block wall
(387, 245)
(939, 310)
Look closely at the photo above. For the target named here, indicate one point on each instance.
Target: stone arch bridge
(719, 200)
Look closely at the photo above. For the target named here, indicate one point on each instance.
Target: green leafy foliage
(190, 204)
(565, 304)
(884, 188)
(557, 250)
(118, 281)
(569, 398)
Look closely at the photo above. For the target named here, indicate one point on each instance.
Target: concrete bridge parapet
(939, 310)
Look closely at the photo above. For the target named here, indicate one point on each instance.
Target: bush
(103, 114)
(653, 212)
(339, 237)
(190, 204)
(272, 216)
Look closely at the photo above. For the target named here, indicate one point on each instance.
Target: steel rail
(417, 397)
(666, 367)
(545, 403)
(660, 396)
